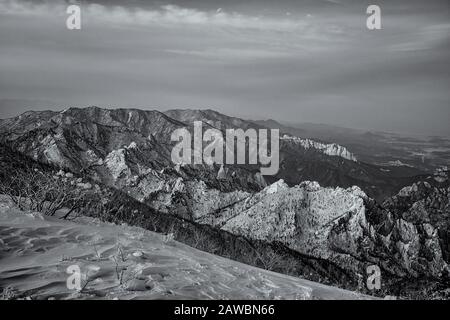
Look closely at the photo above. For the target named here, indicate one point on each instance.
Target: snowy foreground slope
(123, 262)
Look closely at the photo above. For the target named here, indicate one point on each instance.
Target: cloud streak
(165, 15)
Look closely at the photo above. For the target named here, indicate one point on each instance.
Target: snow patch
(132, 145)
(276, 186)
(51, 150)
(398, 163)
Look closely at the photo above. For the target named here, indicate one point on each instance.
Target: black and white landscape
(364, 150)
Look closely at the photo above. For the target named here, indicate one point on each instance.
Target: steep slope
(125, 148)
(123, 262)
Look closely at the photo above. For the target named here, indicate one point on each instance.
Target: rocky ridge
(331, 149)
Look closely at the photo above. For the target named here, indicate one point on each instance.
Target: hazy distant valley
(385, 149)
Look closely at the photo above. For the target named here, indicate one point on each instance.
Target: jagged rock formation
(441, 174)
(418, 224)
(407, 236)
(331, 149)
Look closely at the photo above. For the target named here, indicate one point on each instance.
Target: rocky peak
(222, 173)
(276, 186)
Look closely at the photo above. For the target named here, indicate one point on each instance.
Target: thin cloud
(163, 15)
(233, 53)
(427, 38)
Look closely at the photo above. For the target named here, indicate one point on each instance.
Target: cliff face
(331, 149)
(407, 236)
(419, 225)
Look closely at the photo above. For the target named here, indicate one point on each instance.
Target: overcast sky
(293, 60)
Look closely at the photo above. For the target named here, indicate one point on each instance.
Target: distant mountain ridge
(418, 154)
(330, 149)
(78, 138)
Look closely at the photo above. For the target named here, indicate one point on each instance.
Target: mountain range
(325, 202)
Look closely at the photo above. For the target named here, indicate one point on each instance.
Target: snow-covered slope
(123, 262)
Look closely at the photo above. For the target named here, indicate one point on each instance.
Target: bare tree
(45, 192)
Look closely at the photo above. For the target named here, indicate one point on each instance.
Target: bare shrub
(120, 270)
(36, 190)
(170, 235)
(121, 252)
(202, 241)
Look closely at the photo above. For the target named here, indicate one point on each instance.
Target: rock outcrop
(407, 236)
(331, 149)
